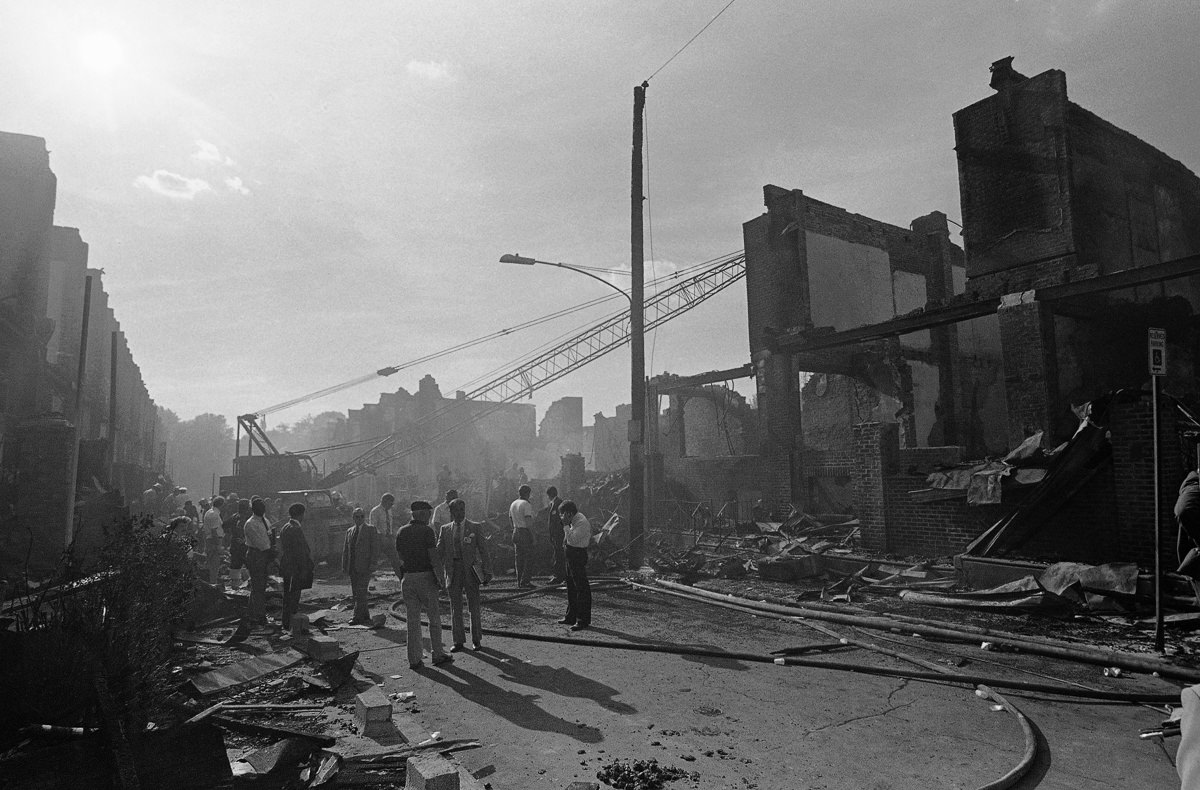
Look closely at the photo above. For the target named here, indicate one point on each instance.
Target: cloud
(430, 70)
(207, 152)
(235, 185)
(173, 185)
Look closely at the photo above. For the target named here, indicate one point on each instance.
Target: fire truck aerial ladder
(553, 364)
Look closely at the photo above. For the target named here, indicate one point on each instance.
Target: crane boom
(576, 351)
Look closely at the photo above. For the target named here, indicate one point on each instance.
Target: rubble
(641, 775)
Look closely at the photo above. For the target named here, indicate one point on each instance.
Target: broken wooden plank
(273, 730)
(244, 671)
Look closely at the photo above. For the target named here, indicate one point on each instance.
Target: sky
(285, 195)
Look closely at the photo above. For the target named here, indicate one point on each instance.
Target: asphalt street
(548, 714)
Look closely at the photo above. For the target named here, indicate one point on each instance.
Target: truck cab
(325, 520)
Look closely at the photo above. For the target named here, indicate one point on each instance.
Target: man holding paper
(578, 535)
(464, 554)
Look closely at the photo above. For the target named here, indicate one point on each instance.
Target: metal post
(637, 342)
(1159, 636)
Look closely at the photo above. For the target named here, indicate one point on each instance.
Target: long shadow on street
(520, 709)
(558, 680)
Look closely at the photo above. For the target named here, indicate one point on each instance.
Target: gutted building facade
(883, 352)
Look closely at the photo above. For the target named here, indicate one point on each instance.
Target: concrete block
(373, 710)
(372, 705)
(299, 624)
(324, 648)
(431, 772)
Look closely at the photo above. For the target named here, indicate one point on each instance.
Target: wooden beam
(1188, 266)
(712, 377)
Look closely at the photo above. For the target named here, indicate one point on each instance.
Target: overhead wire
(690, 40)
(660, 281)
(465, 344)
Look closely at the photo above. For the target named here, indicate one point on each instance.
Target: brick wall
(876, 445)
(1133, 205)
(1133, 472)
(1030, 372)
(36, 494)
(1014, 182)
(1110, 519)
(932, 529)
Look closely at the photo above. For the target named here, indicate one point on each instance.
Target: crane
(551, 365)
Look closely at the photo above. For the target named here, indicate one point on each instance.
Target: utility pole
(637, 343)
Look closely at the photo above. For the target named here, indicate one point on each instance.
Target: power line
(660, 281)
(690, 40)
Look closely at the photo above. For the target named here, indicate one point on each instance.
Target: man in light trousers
(421, 579)
(464, 554)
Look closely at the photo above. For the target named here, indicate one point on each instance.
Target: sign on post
(1157, 341)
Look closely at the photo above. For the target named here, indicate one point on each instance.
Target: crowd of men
(438, 550)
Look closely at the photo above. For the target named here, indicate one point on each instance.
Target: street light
(637, 396)
(525, 261)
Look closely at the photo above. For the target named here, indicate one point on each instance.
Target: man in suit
(358, 559)
(463, 549)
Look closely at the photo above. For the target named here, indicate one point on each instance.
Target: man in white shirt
(258, 557)
(441, 513)
(381, 519)
(577, 531)
(520, 512)
(213, 540)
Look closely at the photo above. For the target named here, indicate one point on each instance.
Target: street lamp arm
(524, 261)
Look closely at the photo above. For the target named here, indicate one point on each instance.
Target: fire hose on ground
(1106, 658)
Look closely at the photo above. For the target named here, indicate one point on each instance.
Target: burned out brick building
(881, 352)
(66, 405)
(475, 440)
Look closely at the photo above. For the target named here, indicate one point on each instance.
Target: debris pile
(780, 551)
(641, 775)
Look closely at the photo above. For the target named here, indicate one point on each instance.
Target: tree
(197, 449)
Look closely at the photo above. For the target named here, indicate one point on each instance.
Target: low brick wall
(1110, 519)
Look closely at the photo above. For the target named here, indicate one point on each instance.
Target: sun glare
(100, 52)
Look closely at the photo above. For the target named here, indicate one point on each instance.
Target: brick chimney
(1004, 75)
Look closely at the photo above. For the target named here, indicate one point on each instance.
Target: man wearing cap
(464, 554)
(441, 513)
(421, 577)
(358, 558)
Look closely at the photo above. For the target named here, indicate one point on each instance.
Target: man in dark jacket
(358, 558)
(421, 578)
(554, 527)
(295, 562)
